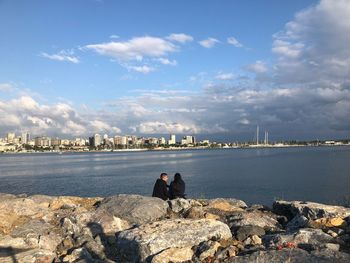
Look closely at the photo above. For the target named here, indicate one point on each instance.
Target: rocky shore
(132, 228)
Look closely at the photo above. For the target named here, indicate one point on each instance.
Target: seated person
(177, 187)
(160, 188)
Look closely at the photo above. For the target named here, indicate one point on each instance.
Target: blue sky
(156, 67)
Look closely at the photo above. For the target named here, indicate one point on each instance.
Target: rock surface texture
(133, 228)
(141, 243)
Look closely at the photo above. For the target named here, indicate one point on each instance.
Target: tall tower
(257, 135)
(267, 137)
(172, 139)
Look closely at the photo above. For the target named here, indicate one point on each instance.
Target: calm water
(254, 175)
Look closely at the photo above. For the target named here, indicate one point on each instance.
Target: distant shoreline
(176, 149)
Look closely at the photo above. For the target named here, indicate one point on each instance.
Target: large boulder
(141, 243)
(135, 209)
(22, 207)
(179, 205)
(306, 238)
(38, 233)
(309, 209)
(292, 256)
(253, 218)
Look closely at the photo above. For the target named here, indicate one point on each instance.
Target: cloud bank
(302, 92)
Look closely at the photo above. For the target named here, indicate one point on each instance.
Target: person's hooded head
(177, 177)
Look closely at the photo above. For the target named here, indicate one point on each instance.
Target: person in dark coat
(177, 187)
(160, 188)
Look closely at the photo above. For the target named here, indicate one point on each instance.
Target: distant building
(205, 142)
(10, 137)
(25, 138)
(172, 139)
(162, 141)
(42, 141)
(124, 140)
(66, 142)
(55, 141)
(79, 142)
(188, 140)
(117, 140)
(97, 140)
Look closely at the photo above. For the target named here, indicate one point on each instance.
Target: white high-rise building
(25, 138)
(97, 139)
(10, 137)
(162, 140)
(188, 139)
(124, 140)
(172, 139)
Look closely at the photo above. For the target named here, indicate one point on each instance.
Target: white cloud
(166, 61)
(58, 119)
(287, 49)
(101, 126)
(114, 36)
(244, 121)
(6, 87)
(257, 67)
(209, 42)
(63, 55)
(233, 41)
(181, 38)
(314, 46)
(142, 69)
(166, 127)
(135, 48)
(225, 76)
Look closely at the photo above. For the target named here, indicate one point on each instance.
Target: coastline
(134, 228)
(176, 149)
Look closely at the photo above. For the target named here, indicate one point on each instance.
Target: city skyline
(150, 67)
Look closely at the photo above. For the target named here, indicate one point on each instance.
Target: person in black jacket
(160, 188)
(177, 187)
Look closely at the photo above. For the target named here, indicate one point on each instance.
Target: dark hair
(177, 177)
(163, 174)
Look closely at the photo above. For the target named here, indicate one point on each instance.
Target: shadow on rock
(10, 252)
(107, 241)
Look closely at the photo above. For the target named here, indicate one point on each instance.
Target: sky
(214, 69)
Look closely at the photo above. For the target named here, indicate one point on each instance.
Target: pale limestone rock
(227, 205)
(292, 256)
(22, 207)
(179, 205)
(135, 209)
(73, 202)
(254, 218)
(11, 220)
(140, 243)
(79, 253)
(310, 210)
(310, 236)
(332, 246)
(174, 254)
(14, 242)
(26, 256)
(256, 240)
(208, 249)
